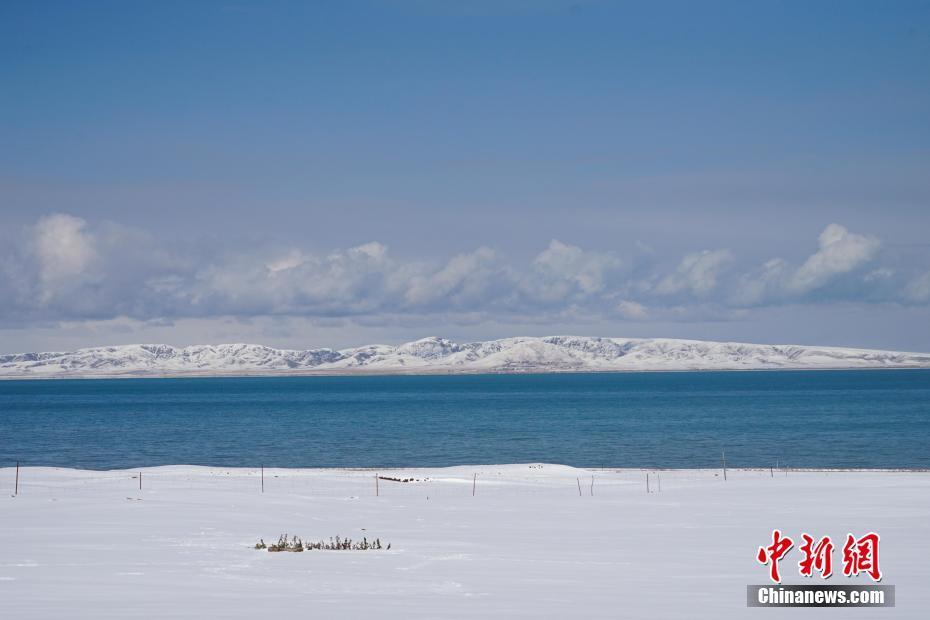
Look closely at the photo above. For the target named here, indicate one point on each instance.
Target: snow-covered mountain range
(438, 355)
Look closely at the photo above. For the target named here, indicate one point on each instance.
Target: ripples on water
(806, 419)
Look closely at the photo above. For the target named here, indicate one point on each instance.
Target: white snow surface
(90, 544)
(438, 355)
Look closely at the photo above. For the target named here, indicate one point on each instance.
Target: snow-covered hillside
(550, 354)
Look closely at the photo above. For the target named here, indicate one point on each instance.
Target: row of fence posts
(723, 460)
(16, 487)
(590, 489)
(474, 482)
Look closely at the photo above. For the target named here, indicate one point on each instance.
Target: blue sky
(328, 174)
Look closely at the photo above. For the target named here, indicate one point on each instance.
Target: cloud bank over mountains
(64, 268)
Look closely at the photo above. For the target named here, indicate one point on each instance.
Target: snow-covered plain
(90, 544)
(438, 355)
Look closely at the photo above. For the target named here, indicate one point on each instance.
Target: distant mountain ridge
(438, 355)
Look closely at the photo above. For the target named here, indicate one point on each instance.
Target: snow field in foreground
(90, 544)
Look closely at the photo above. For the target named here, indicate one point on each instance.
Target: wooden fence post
(377, 488)
(263, 477)
(474, 483)
(17, 479)
(647, 483)
(140, 480)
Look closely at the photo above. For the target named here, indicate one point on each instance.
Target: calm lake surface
(805, 419)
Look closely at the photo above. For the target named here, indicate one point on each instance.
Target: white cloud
(346, 282)
(696, 274)
(765, 283)
(824, 275)
(64, 250)
(918, 289)
(564, 272)
(292, 259)
(632, 310)
(373, 251)
(466, 279)
(66, 269)
(840, 252)
(879, 275)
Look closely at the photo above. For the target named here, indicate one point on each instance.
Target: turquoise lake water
(804, 418)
